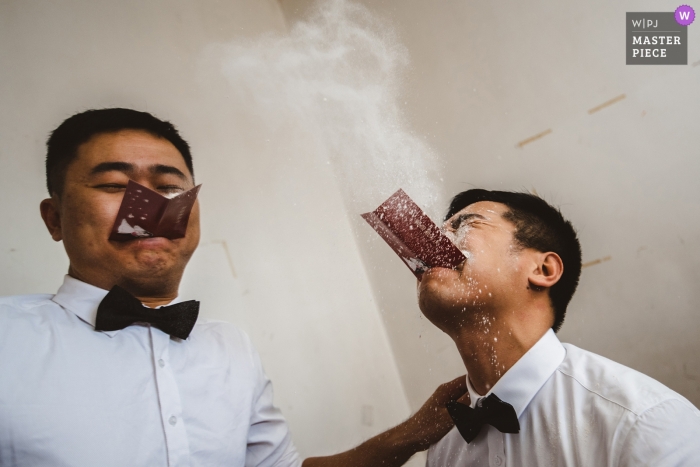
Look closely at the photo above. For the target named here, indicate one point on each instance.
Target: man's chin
(150, 271)
(437, 290)
(434, 282)
(143, 257)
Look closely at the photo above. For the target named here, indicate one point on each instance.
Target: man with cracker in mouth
(533, 400)
(112, 370)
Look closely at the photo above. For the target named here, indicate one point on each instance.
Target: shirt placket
(497, 453)
(176, 440)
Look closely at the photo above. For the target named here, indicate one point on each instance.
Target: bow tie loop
(489, 410)
(120, 309)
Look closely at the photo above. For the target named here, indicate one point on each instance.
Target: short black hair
(540, 226)
(62, 145)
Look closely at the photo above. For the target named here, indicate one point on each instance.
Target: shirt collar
(83, 300)
(524, 379)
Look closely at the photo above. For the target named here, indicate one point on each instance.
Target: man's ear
(51, 214)
(547, 271)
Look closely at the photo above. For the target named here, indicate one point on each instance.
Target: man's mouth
(146, 242)
(437, 271)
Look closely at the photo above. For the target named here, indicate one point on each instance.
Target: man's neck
(489, 351)
(155, 302)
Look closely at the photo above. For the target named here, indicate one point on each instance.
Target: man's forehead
(136, 147)
(128, 143)
(488, 209)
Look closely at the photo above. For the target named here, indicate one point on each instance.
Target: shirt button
(498, 460)
(161, 363)
(173, 420)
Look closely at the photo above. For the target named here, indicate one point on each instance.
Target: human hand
(394, 447)
(432, 421)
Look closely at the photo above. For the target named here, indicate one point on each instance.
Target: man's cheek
(95, 208)
(103, 213)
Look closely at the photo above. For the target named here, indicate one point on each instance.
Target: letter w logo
(685, 15)
(637, 23)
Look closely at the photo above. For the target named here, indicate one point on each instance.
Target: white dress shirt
(577, 408)
(73, 396)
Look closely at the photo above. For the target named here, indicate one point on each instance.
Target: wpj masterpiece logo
(659, 38)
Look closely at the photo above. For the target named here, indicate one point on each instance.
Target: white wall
(277, 255)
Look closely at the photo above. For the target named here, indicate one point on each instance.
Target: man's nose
(146, 181)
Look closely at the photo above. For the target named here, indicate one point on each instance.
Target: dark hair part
(541, 227)
(62, 145)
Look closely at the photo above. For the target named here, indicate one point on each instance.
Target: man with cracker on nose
(533, 400)
(114, 369)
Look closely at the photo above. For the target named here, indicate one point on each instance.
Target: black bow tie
(120, 309)
(492, 410)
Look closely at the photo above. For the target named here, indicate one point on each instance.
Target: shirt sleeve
(665, 435)
(269, 441)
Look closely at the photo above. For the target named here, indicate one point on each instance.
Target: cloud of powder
(337, 76)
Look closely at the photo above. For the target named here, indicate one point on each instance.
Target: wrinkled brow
(160, 169)
(459, 220)
(124, 167)
(128, 169)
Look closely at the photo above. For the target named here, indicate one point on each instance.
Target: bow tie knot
(120, 309)
(489, 410)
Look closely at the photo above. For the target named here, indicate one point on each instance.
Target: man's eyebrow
(465, 217)
(103, 167)
(161, 169)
